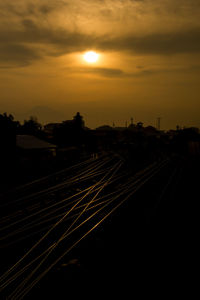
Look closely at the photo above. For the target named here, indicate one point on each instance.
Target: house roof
(32, 142)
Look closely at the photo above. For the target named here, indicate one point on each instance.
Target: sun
(91, 57)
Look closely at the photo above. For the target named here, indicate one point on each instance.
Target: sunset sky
(148, 64)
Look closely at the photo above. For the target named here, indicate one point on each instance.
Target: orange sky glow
(148, 62)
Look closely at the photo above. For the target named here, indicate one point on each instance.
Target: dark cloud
(33, 38)
(13, 55)
(30, 8)
(115, 73)
(105, 72)
(139, 72)
(118, 73)
(29, 24)
(36, 34)
(32, 33)
(157, 43)
(45, 9)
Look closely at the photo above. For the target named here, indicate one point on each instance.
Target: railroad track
(51, 232)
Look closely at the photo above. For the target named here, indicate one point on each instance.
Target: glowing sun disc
(91, 57)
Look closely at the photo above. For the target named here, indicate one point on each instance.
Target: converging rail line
(52, 221)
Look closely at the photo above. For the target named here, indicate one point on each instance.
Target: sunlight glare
(91, 57)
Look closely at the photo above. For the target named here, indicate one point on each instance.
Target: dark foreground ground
(147, 248)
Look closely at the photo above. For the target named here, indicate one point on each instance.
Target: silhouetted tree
(8, 128)
(31, 126)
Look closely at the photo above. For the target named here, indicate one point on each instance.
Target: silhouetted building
(30, 146)
(50, 128)
(132, 127)
(78, 121)
(104, 127)
(119, 128)
(139, 125)
(150, 130)
(70, 132)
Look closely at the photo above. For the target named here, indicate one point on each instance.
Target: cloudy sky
(148, 66)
